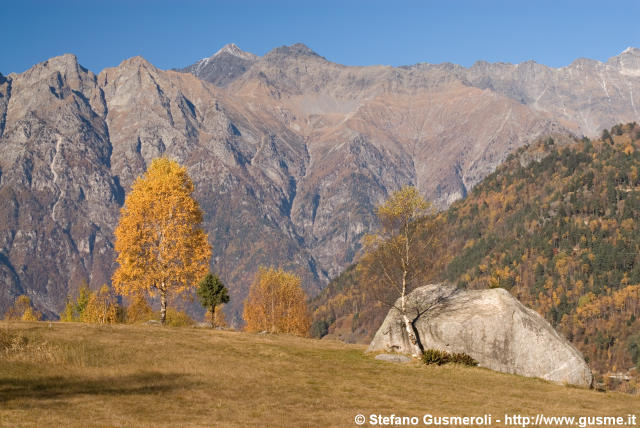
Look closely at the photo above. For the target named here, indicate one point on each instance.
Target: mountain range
(290, 153)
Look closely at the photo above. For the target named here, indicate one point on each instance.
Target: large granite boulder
(489, 325)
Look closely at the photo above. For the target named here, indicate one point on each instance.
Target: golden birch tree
(160, 244)
(276, 303)
(391, 263)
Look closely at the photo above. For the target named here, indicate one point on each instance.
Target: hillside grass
(68, 374)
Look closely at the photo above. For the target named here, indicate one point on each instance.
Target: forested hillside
(558, 226)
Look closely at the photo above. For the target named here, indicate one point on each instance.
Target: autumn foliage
(102, 307)
(99, 307)
(74, 309)
(276, 303)
(22, 310)
(161, 247)
(397, 254)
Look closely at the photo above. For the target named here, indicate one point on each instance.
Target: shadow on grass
(52, 387)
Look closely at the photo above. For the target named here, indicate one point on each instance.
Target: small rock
(393, 358)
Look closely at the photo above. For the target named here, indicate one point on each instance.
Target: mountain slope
(556, 225)
(587, 95)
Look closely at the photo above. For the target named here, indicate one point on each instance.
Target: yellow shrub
(22, 311)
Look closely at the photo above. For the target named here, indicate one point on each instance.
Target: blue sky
(395, 32)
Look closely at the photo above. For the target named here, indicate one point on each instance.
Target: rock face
(290, 153)
(59, 200)
(489, 325)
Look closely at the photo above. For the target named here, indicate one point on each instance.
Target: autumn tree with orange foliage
(276, 303)
(160, 244)
(102, 307)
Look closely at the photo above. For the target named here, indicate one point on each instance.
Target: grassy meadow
(69, 374)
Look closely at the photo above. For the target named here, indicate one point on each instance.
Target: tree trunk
(273, 314)
(416, 349)
(213, 317)
(163, 306)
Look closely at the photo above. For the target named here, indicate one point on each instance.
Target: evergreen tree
(74, 311)
(212, 292)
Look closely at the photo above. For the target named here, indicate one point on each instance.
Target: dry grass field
(67, 374)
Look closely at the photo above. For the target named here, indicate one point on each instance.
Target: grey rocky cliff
(489, 325)
(59, 199)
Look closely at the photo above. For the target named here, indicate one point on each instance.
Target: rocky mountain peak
(233, 49)
(631, 51)
(491, 67)
(584, 62)
(296, 51)
(628, 62)
(224, 66)
(63, 60)
(67, 65)
(137, 61)
(60, 77)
